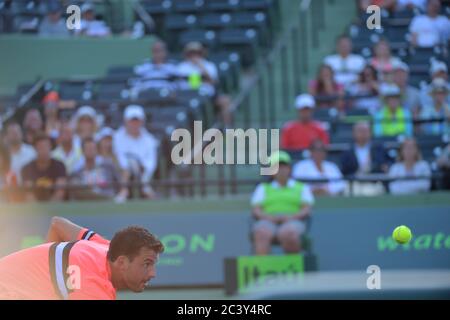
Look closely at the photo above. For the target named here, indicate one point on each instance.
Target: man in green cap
(280, 208)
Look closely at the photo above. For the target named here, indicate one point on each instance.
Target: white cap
(439, 85)
(438, 66)
(87, 7)
(86, 111)
(400, 65)
(134, 112)
(305, 101)
(103, 133)
(389, 90)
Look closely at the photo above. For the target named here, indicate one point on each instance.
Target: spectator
(53, 25)
(440, 109)
(157, 73)
(364, 157)
(99, 176)
(368, 88)
(201, 74)
(51, 113)
(317, 168)
(438, 70)
(90, 26)
(393, 119)
(430, 29)
(104, 140)
(410, 164)
(346, 66)
(326, 88)
(20, 153)
(44, 177)
(136, 148)
(86, 123)
(67, 151)
(280, 208)
(383, 61)
(32, 125)
(410, 96)
(298, 135)
(443, 163)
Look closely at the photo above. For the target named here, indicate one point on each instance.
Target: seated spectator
(137, 149)
(44, 177)
(411, 5)
(440, 109)
(32, 125)
(410, 96)
(51, 113)
(157, 73)
(392, 119)
(443, 163)
(317, 168)
(346, 66)
(326, 87)
(104, 140)
(410, 164)
(54, 25)
(383, 61)
(201, 74)
(99, 176)
(86, 123)
(67, 151)
(90, 26)
(280, 208)
(368, 87)
(364, 157)
(20, 153)
(430, 29)
(438, 70)
(299, 134)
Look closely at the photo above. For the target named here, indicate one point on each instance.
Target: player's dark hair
(86, 141)
(40, 136)
(129, 242)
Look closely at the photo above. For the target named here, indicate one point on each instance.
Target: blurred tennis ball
(402, 234)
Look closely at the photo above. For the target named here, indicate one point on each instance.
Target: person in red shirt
(78, 264)
(299, 134)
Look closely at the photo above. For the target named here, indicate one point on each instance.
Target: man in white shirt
(438, 70)
(430, 29)
(67, 151)
(201, 74)
(89, 25)
(346, 66)
(318, 168)
(136, 149)
(411, 4)
(20, 153)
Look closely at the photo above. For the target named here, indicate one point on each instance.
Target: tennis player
(78, 264)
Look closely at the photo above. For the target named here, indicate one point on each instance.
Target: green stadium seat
(111, 90)
(188, 6)
(75, 90)
(223, 5)
(244, 41)
(207, 37)
(177, 22)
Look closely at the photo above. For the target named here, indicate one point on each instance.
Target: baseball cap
(389, 90)
(52, 96)
(134, 112)
(193, 46)
(438, 66)
(305, 101)
(103, 133)
(280, 157)
(86, 111)
(439, 85)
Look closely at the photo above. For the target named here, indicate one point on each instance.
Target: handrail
(143, 15)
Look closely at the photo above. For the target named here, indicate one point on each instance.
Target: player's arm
(63, 230)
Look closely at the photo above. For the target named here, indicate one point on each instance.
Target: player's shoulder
(290, 125)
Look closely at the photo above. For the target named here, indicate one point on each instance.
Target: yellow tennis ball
(402, 234)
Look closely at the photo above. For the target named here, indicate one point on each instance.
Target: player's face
(141, 270)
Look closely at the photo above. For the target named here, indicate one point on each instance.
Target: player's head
(133, 253)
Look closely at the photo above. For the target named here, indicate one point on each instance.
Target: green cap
(280, 157)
